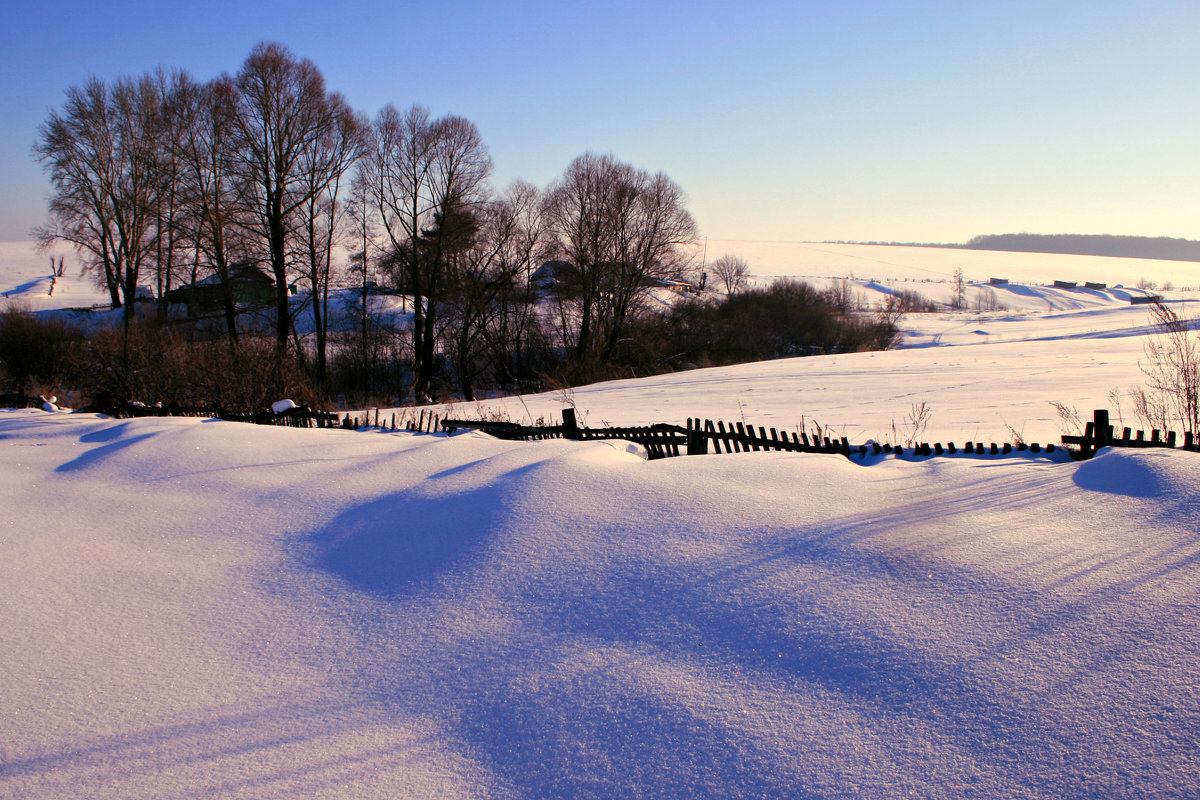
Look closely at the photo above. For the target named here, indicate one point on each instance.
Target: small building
(1094, 285)
(553, 274)
(998, 281)
(251, 286)
(682, 287)
(1065, 284)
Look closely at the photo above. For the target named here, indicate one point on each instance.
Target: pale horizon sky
(917, 121)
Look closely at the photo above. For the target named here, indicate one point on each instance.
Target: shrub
(156, 364)
(788, 318)
(1172, 369)
(37, 351)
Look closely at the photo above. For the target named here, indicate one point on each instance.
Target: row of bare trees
(164, 173)
(165, 179)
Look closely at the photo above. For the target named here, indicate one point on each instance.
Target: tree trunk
(279, 268)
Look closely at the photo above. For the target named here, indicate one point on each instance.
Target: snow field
(203, 609)
(208, 609)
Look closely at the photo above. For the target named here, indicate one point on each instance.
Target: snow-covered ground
(208, 609)
(27, 280)
(937, 265)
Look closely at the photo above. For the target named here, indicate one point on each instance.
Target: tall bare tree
(623, 231)
(427, 177)
(363, 239)
(103, 154)
(283, 114)
(322, 166)
(489, 276)
(202, 121)
(170, 234)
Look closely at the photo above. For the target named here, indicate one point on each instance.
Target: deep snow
(209, 609)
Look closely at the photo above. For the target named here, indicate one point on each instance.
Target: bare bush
(1172, 369)
(915, 422)
(730, 273)
(841, 296)
(986, 300)
(1069, 421)
(154, 364)
(908, 301)
(35, 351)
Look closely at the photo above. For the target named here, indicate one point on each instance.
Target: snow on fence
(1099, 433)
(700, 437)
(296, 417)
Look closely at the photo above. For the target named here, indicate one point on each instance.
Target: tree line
(167, 179)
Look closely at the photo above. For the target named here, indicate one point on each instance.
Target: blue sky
(913, 121)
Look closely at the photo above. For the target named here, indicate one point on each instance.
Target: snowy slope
(26, 279)
(987, 375)
(203, 609)
(206, 609)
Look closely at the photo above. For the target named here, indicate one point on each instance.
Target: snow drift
(210, 609)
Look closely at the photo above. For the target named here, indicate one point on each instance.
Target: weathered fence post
(570, 425)
(697, 442)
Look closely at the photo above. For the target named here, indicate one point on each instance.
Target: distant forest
(1161, 247)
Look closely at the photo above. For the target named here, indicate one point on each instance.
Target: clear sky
(869, 120)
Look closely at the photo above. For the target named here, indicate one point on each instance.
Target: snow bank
(210, 609)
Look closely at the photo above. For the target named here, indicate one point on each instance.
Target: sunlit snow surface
(204, 609)
(210, 609)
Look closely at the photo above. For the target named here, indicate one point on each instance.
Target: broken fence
(700, 437)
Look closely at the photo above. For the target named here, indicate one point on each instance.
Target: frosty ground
(199, 608)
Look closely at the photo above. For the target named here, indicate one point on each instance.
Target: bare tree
(489, 280)
(959, 300)
(283, 113)
(204, 140)
(578, 209)
(427, 177)
(731, 272)
(364, 241)
(322, 167)
(170, 234)
(102, 152)
(623, 231)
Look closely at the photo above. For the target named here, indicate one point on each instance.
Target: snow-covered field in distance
(25, 271)
(204, 609)
(937, 264)
(980, 373)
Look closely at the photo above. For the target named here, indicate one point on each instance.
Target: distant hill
(1160, 247)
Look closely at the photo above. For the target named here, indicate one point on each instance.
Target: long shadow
(28, 286)
(107, 433)
(404, 541)
(100, 453)
(204, 747)
(559, 714)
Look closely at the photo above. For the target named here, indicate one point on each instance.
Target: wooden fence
(1100, 433)
(298, 417)
(700, 437)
